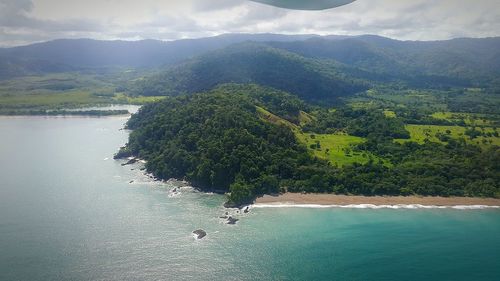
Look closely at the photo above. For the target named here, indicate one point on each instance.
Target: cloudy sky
(27, 21)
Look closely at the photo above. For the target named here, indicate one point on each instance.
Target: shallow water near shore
(68, 211)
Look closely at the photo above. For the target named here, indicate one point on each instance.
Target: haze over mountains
(295, 63)
(86, 53)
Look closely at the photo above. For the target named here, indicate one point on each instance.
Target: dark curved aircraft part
(306, 4)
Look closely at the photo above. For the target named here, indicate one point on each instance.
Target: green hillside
(311, 80)
(249, 140)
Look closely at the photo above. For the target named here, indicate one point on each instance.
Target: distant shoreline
(124, 116)
(324, 200)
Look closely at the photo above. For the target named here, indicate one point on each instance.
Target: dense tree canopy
(312, 80)
(361, 123)
(219, 141)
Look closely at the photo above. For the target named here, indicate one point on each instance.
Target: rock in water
(130, 162)
(200, 233)
(232, 220)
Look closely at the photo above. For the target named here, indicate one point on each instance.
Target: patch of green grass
(139, 100)
(419, 133)
(359, 103)
(390, 114)
(305, 118)
(269, 117)
(336, 148)
(470, 119)
(475, 90)
(443, 115)
(389, 98)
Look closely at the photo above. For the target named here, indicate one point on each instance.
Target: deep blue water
(69, 212)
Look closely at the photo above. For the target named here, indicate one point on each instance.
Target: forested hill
(219, 142)
(251, 140)
(466, 61)
(312, 80)
(12, 66)
(41, 58)
(457, 62)
(321, 69)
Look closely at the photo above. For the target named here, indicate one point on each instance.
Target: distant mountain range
(88, 53)
(469, 59)
(305, 63)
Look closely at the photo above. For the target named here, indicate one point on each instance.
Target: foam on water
(372, 206)
(174, 194)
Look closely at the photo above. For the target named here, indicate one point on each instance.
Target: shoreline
(375, 202)
(62, 116)
(90, 110)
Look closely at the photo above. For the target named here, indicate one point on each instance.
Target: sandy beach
(331, 199)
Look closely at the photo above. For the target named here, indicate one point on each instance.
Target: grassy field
(337, 148)
(305, 118)
(470, 119)
(122, 98)
(383, 98)
(421, 132)
(390, 114)
(427, 101)
(269, 117)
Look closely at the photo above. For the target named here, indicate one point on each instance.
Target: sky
(28, 21)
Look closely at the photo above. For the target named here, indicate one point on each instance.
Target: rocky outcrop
(131, 161)
(200, 233)
(231, 220)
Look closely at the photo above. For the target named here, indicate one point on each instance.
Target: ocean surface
(68, 211)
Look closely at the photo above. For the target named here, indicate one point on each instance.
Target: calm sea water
(69, 212)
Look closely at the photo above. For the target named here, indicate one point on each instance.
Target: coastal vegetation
(218, 141)
(248, 140)
(49, 93)
(93, 112)
(259, 114)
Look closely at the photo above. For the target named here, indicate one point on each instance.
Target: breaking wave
(371, 206)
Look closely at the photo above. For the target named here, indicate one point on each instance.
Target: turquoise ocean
(68, 211)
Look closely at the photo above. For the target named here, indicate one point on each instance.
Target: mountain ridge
(258, 63)
(463, 62)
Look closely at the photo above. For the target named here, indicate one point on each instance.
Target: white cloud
(26, 21)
